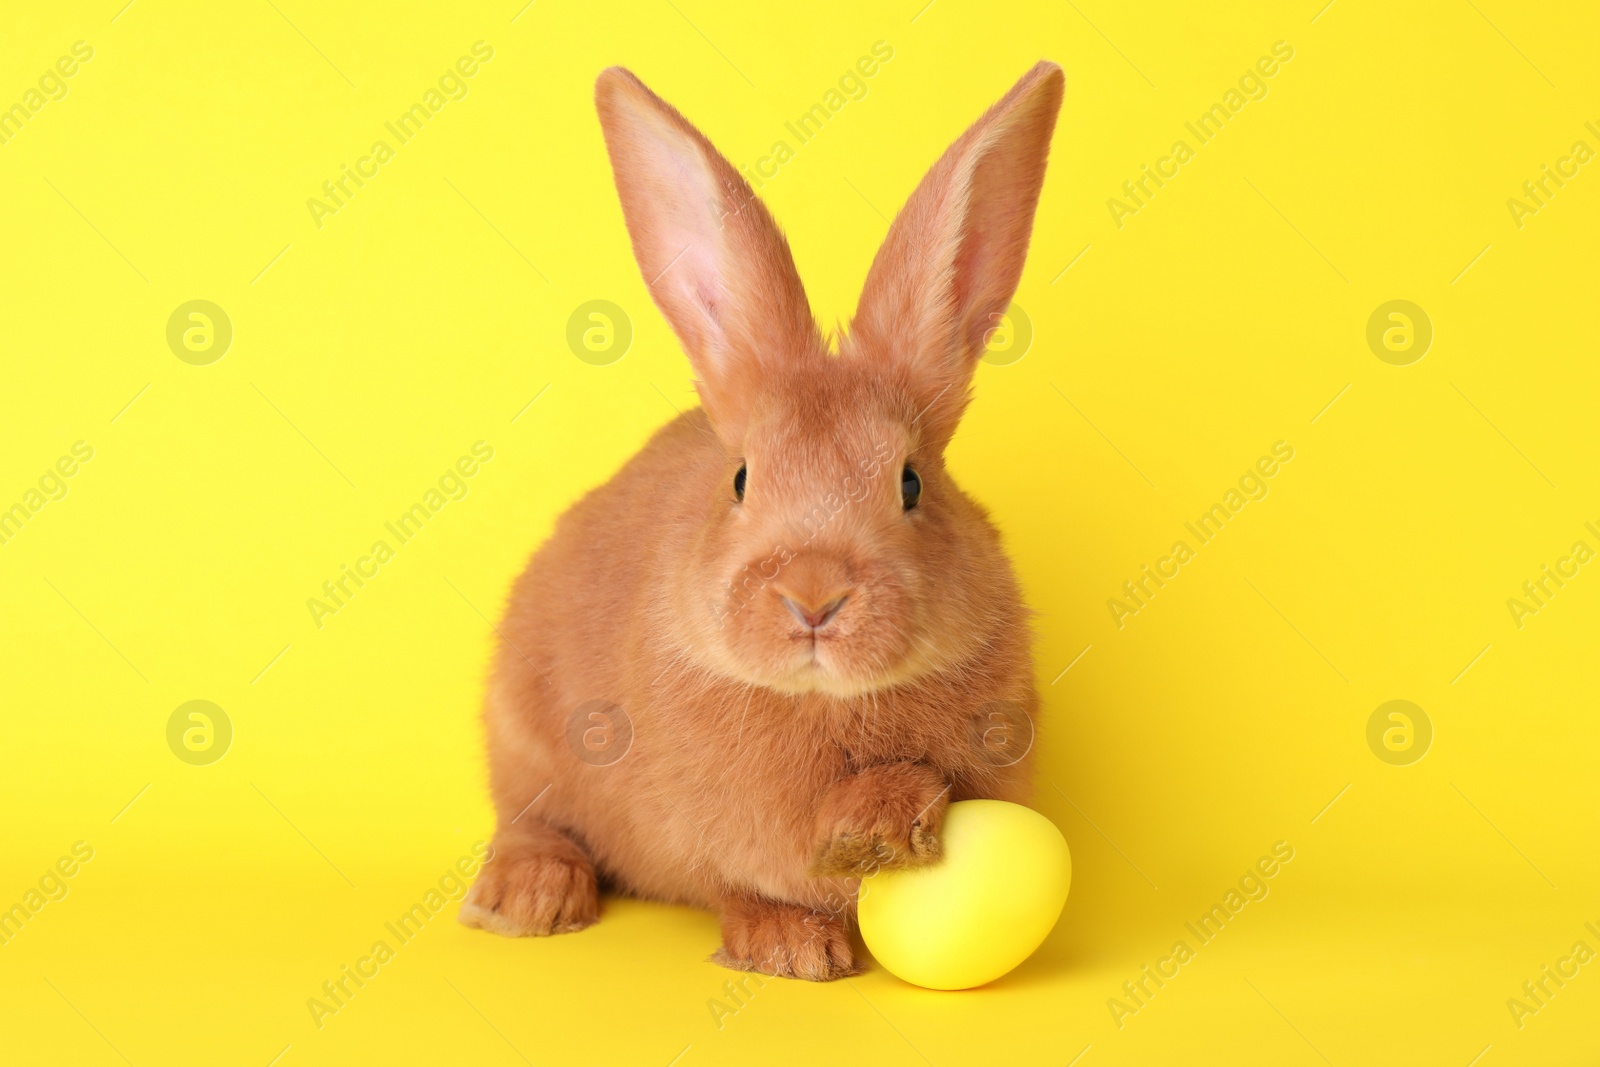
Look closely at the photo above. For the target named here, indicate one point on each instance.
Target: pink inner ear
(713, 258)
(710, 293)
(694, 275)
(955, 253)
(999, 221)
(685, 239)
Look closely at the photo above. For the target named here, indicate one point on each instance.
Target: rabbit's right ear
(716, 263)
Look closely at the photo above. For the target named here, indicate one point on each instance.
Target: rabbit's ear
(954, 255)
(715, 261)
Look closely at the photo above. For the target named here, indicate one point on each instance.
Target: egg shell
(981, 910)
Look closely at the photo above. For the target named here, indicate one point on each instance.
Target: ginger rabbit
(760, 660)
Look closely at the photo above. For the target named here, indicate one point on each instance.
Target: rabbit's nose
(815, 618)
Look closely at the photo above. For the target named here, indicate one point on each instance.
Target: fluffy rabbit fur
(810, 672)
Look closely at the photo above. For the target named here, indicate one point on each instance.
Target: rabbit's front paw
(883, 817)
(786, 940)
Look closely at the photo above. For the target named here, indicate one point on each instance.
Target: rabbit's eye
(738, 483)
(910, 488)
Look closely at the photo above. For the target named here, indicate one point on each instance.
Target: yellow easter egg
(981, 910)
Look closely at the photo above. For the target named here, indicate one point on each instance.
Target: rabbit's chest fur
(746, 818)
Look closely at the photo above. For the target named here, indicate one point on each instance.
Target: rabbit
(757, 664)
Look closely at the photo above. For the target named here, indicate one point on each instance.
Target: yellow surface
(981, 910)
(1168, 356)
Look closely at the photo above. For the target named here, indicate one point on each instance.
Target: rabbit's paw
(786, 940)
(883, 817)
(528, 891)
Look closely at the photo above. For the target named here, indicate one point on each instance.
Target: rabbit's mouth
(833, 619)
(810, 661)
(838, 665)
(815, 676)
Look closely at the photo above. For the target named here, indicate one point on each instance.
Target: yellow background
(370, 353)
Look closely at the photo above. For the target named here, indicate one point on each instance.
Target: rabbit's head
(835, 555)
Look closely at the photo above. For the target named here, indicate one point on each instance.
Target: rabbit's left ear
(954, 255)
(716, 263)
